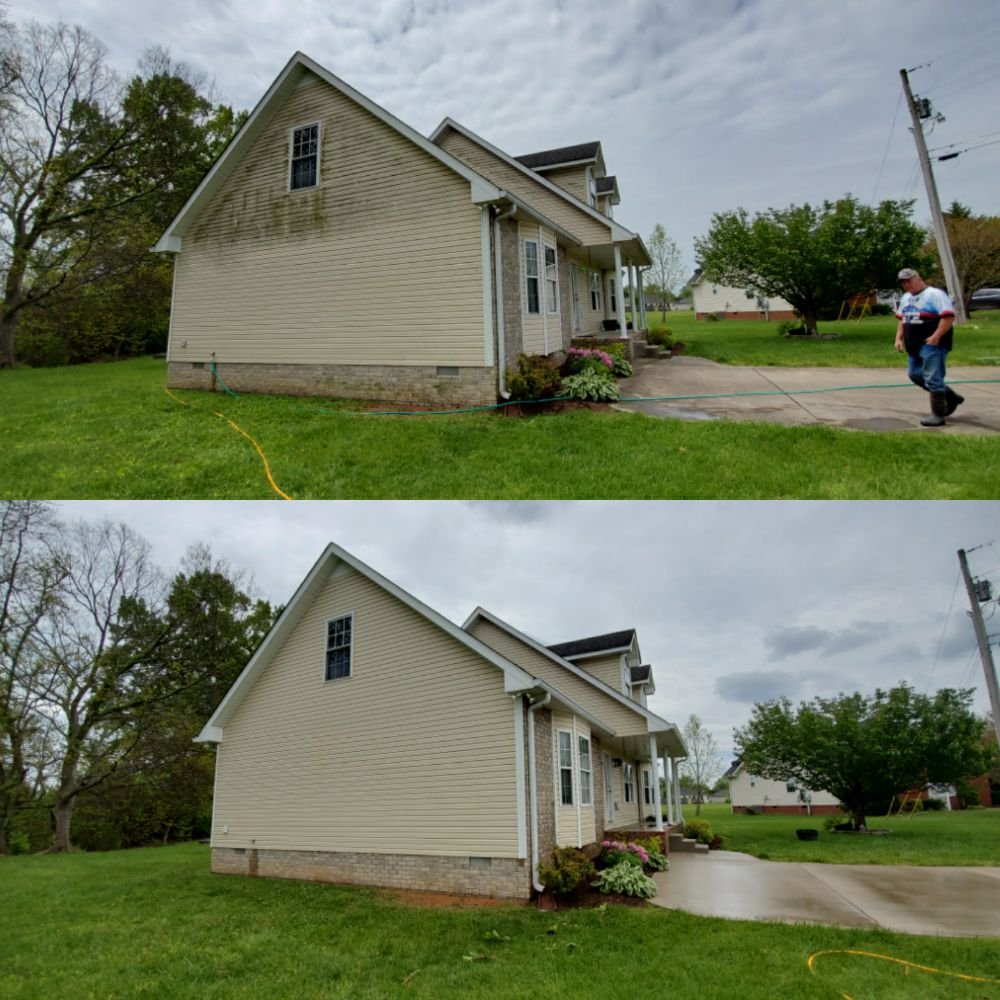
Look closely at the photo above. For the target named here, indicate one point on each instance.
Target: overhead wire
(947, 619)
(888, 143)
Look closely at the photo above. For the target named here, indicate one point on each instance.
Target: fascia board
(481, 188)
(596, 653)
(564, 236)
(561, 165)
(515, 678)
(656, 724)
(528, 172)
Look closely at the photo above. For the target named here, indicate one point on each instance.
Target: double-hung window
(613, 296)
(339, 633)
(647, 787)
(585, 770)
(565, 767)
(628, 777)
(595, 291)
(551, 281)
(531, 277)
(305, 157)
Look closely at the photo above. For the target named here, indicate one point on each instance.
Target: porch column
(622, 332)
(655, 761)
(642, 299)
(636, 325)
(668, 781)
(677, 793)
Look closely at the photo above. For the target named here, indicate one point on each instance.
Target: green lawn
(968, 837)
(866, 344)
(155, 923)
(111, 431)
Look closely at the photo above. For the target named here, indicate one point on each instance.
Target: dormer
(614, 659)
(578, 170)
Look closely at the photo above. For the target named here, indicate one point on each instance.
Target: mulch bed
(581, 899)
(586, 899)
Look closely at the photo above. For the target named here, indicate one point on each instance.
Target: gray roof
(642, 674)
(733, 768)
(565, 154)
(594, 643)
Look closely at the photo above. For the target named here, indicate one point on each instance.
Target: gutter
(498, 291)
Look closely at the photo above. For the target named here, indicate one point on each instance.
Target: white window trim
(560, 768)
(319, 152)
(595, 291)
(589, 785)
(551, 308)
(647, 787)
(326, 647)
(628, 782)
(537, 277)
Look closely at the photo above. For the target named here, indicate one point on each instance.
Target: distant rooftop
(594, 644)
(554, 157)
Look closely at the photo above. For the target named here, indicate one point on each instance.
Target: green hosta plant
(590, 385)
(626, 879)
(621, 367)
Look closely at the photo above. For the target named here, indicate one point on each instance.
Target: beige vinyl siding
(575, 823)
(379, 264)
(555, 208)
(601, 705)
(605, 668)
(414, 753)
(571, 179)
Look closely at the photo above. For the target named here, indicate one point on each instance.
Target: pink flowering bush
(579, 359)
(615, 852)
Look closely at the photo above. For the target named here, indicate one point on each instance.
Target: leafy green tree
(975, 247)
(864, 750)
(91, 168)
(814, 258)
(703, 765)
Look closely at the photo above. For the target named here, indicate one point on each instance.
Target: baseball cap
(906, 273)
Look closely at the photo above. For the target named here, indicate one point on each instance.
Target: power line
(899, 103)
(978, 40)
(952, 145)
(953, 156)
(947, 619)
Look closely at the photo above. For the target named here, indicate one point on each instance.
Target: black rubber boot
(939, 409)
(953, 401)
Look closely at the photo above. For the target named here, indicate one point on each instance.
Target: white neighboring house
(749, 791)
(727, 302)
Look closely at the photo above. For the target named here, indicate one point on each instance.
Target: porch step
(655, 351)
(678, 842)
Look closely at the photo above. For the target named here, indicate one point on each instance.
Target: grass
(968, 837)
(867, 344)
(156, 923)
(110, 431)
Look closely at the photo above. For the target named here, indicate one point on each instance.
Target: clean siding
(571, 179)
(607, 669)
(413, 754)
(623, 720)
(555, 208)
(379, 264)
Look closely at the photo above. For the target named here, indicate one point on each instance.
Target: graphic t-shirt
(920, 314)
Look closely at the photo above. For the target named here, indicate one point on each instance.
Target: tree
(975, 246)
(668, 267)
(865, 750)
(704, 761)
(814, 258)
(88, 163)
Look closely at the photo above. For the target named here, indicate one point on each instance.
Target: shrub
(933, 805)
(698, 829)
(664, 338)
(570, 868)
(536, 378)
(658, 861)
(627, 880)
(590, 385)
(582, 359)
(616, 852)
(621, 368)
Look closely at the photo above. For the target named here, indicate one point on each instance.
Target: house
(727, 302)
(334, 250)
(751, 792)
(371, 740)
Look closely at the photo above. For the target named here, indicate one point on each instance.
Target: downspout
(533, 786)
(502, 389)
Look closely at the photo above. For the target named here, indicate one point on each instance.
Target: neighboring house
(371, 740)
(749, 791)
(726, 302)
(333, 250)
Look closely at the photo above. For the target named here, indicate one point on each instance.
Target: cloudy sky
(700, 106)
(733, 602)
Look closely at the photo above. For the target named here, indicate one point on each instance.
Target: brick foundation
(393, 383)
(505, 878)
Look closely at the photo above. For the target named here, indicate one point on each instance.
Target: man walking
(925, 318)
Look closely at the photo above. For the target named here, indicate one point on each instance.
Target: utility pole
(984, 643)
(940, 230)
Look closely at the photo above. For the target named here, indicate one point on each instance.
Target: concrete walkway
(953, 902)
(896, 408)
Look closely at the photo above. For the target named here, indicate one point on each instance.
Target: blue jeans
(928, 370)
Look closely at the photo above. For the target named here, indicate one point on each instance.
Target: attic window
(339, 633)
(305, 157)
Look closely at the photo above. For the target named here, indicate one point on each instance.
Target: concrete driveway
(953, 902)
(884, 400)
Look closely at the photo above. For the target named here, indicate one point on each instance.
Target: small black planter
(807, 834)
